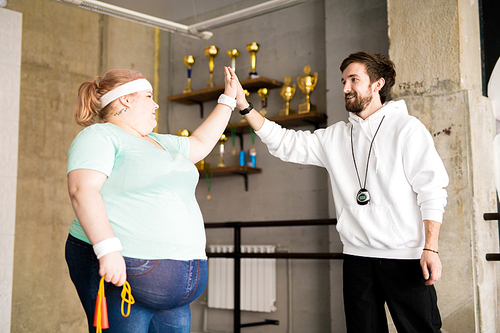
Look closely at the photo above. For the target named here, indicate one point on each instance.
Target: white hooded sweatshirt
(406, 178)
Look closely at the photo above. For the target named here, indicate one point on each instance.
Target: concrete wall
(62, 47)
(436, 50)
(10, 84)
(435, 45)
(289, 40)
(350, 26)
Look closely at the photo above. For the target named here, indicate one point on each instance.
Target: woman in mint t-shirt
(133, 193)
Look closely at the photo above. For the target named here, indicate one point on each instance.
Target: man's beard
(357, 103)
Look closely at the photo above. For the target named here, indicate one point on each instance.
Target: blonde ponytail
(88, 103)
(90, 92)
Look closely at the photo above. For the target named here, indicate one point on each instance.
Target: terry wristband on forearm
(228, 101)
(107, 246)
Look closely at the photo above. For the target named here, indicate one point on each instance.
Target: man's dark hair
(377, 66)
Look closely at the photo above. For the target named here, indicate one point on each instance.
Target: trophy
(222, 140)
(183, 132)
(253, 48)
(287, 91)
(263, 93)
(201, 165)
(211, 52)
(233, 54)
(189, 62)
(306, 84)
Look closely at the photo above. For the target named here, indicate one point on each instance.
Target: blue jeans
(162, 289)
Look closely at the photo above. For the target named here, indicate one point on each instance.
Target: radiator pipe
(237, 279)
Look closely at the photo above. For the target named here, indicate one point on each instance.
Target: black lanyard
(363, 196)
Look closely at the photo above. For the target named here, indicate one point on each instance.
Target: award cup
(201, 165)
(183, 132)
(306, 84)
(287, 91)
(189, 62)
(253, 48)
(263, 93)
(222, 140)
(233, 54)
(211, 52)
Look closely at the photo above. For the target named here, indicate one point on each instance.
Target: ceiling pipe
(244, 14)
(104, 8)
(197, 30)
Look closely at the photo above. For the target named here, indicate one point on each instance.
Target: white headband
(125, 89)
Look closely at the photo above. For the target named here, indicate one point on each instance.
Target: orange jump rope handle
(101, 308)
(103, 313)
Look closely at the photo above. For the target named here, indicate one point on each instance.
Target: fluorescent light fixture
(197, 30)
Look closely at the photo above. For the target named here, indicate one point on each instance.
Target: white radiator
(258, 279)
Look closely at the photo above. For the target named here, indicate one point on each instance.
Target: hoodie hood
(388, 108)
(368, 127)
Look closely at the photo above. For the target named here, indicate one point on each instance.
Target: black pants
(369, 283)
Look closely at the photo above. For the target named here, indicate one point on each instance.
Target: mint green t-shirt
(149, 193)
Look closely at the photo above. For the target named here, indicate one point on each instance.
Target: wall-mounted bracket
(201, 108)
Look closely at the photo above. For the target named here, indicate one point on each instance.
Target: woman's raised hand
(231, 82)
(236, 88)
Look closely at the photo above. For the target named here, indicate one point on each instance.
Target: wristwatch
(247, 109)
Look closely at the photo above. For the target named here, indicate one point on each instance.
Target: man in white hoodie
(388, 185)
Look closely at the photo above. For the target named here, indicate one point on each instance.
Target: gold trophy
(247, 93)
(201, 165)
(183, 132)
(263, 93)
(222, 140)
(306, 84)
(253, 48)
(189, 62)
(287, 91)
(233, 54)
(211, 52)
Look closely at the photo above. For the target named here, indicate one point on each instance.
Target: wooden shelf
(252, 85)
(210, 94)
(294, 120)
(232, 170)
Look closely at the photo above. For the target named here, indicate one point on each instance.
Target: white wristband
(226, 100)
(106, 246)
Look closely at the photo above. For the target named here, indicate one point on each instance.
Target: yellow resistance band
(101, 309)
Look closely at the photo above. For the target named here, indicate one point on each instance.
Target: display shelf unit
(252, 85)
(295, 120)
(233, 170)
(210, 94)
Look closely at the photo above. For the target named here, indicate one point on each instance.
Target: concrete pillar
(436, 48)
(350, 26)
(62, 47)
(10, 82)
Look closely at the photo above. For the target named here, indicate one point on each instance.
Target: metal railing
(492, 217)
(237, 255)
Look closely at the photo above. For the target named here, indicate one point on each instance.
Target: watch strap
(247, 109)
